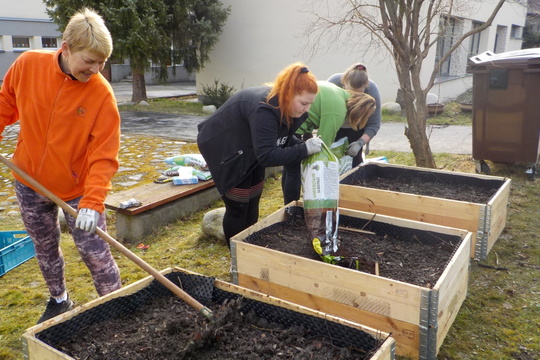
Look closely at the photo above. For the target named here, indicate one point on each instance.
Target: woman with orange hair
(251, 131)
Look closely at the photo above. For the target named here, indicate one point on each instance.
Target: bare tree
(408, 29)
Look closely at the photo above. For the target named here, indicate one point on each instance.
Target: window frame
(15, 46)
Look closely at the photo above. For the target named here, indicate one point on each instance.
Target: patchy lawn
(499, 319)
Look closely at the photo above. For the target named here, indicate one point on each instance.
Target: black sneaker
(53, 309)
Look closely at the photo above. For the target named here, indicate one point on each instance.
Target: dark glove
(314, 145)
(87, 220)
(355, 147)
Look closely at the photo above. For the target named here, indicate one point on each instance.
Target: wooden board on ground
(153, 195)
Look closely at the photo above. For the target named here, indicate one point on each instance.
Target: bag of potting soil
(339, 148)
(202, 175)
(320, 181)
(194, 160)
(185, 176)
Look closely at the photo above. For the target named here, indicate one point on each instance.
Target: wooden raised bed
(486, 220)
(417, 317)
(43, 341)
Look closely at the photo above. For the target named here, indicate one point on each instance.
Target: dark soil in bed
(411, 183)
(412, 260)
(162, 328)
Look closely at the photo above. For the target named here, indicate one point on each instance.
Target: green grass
(452, 115)
(178, 105)
(498, 320)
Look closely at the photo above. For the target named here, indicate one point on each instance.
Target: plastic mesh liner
(370, 171)
(199, 287)
(400, 233)
(202, 288)
(340, 335)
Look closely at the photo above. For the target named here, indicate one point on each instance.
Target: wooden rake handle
(113, 242)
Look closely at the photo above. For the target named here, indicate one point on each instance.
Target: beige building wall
(29, 9)
(262, 37)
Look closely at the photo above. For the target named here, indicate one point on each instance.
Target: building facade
(24, 25)
(262, 37)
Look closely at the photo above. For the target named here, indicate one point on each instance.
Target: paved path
(443, 139)
(123, 90)
(183, 127)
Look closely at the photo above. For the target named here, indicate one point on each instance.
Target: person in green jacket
(332, 108)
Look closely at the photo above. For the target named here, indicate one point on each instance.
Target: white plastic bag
(194, 160)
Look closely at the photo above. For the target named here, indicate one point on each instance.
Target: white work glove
(87, 220)
(313, 145)
(355, 147)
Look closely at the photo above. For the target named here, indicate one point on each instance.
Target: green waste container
(506, 108)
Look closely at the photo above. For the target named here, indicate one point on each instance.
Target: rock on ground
(212, 223)
(392, 107)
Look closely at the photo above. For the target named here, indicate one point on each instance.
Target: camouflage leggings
(40, 216)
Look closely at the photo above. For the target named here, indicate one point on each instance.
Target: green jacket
(327, 113)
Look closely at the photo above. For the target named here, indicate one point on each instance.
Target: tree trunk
(139, 87)
(416, 112)
(416, 131)
(419, 144)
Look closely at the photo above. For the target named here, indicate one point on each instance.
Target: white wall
(29, 9)
(262, 37)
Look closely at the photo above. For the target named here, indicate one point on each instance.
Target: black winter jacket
(246, 132)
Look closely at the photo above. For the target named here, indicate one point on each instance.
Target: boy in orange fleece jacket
(68, 141)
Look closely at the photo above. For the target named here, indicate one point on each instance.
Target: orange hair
(292, 81)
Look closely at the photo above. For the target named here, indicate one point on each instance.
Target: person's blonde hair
(292, 81)
(355, 77)
(360, 106)
(86, 30)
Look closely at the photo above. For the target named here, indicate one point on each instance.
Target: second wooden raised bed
(359, 190)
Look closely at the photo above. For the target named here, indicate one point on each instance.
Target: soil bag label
(320, 180)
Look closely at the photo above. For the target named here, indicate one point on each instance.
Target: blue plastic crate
(16, 247)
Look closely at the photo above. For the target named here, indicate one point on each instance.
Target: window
(49, 42)
(500, 39)
(447, 27)
(474, 49)
(516, 32)
(450, 30)
(20, 42)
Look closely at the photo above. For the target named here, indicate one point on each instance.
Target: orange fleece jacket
(69, 131)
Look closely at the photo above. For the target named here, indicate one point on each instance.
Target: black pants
(291, 182)
(242, 204)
